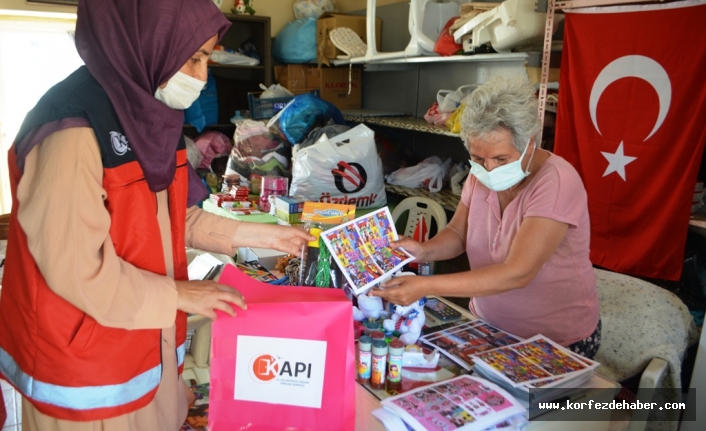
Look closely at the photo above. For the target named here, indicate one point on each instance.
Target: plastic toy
(243, 6)
(407, 320)
(369, 307)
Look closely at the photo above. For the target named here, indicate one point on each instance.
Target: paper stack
(465, 339)
(463, 403)
(537, 363)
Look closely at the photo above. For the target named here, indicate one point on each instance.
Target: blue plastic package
(296, 42)
(298, 118)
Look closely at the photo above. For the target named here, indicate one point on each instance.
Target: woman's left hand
(287, 239)
(402, 290)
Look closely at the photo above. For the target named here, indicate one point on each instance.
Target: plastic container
(377, 335)
(394, 367)
(364, 358)
(379, 364)
(272, 186)
(371, 326)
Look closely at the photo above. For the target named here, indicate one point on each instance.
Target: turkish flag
(632, 121)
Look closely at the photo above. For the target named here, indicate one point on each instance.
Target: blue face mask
(502, 177)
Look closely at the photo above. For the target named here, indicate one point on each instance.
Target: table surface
(366, 402)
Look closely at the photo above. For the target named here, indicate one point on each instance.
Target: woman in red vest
(95, 290)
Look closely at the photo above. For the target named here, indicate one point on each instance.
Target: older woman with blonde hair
(523, 223)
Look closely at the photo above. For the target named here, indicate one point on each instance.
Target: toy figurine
(369, 307)
(243, 6)
(407, 320)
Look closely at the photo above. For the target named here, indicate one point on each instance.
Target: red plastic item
(446, 45)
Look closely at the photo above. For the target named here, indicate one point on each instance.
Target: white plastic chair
(419, 43)
(420, 208)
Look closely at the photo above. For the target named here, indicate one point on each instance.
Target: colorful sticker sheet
(537, 362)
(254, 269)
(466, 339)
(362, 249)
(463, 403)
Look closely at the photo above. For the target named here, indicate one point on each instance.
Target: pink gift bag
(285, 363)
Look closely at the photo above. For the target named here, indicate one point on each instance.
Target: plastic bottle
(371, 326)
(364, 358)
(377, 377)
(237, 119)
(377, 335)
(394, 361)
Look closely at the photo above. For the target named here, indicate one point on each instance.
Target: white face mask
(180, 92)
(502, 177)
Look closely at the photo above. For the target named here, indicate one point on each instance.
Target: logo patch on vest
(119, 142)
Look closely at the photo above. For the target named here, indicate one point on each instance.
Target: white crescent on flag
(637, 66)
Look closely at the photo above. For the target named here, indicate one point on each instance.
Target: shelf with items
(234, 82)
(406, 123)
(234, 66)
(445, 197)
(477, 58)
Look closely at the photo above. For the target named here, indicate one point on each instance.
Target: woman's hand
(402, 290)
(415, 248)
(286, 239)
(204, 297)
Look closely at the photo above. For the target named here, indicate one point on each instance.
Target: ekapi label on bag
(280, 370)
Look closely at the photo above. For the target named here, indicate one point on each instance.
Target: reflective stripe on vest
(80, 398)
(180, 352)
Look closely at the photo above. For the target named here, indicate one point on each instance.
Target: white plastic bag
(345, 169)
(457, 178)
(429, 173)
(313, 8)
(449, 100)
(274, 90)
(225, 57)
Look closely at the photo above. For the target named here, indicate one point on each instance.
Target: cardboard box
(333, 86)
(292, 76)
(289, 204)
(329, 21)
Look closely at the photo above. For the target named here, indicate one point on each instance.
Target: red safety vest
(65, 363)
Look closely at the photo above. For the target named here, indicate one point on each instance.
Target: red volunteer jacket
(63, 361)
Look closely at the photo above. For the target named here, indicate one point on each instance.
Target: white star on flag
(617, 161)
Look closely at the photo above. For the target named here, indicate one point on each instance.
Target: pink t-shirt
(561, 302)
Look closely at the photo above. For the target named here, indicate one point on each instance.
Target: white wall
(21, 6)
(353, 5)
(279, 11)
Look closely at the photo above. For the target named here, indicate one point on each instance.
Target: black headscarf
(133, 46)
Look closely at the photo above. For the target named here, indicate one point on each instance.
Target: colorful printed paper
(362, 249)
(463, 403)
(462, 341)
(533, 361)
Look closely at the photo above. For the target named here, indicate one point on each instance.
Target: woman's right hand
(415, 248)
(204, 297)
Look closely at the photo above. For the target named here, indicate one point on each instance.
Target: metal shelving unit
(476, 58)
(406, 123)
